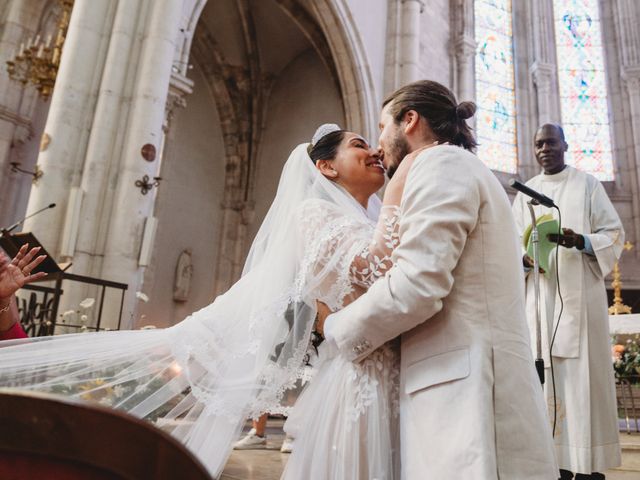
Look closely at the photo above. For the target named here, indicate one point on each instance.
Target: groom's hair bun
(325, 142)
(465, 110)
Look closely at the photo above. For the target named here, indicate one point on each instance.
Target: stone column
(145, 121)
(70, 114)
(16, 105)
(542, 85)
(627, 16)
(101, 163)
(410, 40)
(547, 98)
(236, 218)
(544, 68)
(464, 49)
(631, 78)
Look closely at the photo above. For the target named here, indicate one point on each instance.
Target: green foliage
(626, 359)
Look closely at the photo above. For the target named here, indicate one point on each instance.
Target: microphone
(537, 196)
(6, 231)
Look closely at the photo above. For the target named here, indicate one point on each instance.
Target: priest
(583, 405)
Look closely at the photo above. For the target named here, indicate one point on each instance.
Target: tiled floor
(259, 464)
(268, 464)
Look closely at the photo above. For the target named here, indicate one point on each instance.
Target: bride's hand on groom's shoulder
(401, 174)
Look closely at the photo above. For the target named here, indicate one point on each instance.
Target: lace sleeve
(342, 256)
(374, 260)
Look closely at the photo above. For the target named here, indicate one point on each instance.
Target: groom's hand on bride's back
(323, 312)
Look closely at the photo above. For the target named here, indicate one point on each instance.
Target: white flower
(84, 318)
(69, 316)
(87, 303)
(142, 296)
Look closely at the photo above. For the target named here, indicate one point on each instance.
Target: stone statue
(182, 281)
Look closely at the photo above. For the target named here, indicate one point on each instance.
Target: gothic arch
(330, 28)
(241, 89)
(354, 74)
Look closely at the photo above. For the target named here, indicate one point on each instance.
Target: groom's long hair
(438, 105)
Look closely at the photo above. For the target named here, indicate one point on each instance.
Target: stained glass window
(495, 94)
(583, 89)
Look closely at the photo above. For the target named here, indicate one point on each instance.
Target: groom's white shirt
(471, 404)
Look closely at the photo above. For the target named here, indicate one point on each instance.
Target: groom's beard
(398, 149)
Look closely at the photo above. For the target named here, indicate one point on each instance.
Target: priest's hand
(568, 239)
(16, 273)
(527, 261)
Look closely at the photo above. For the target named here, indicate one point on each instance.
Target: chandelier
(37, 62)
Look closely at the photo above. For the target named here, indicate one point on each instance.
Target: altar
(628, 324)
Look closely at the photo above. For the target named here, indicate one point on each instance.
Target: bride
(327, 237)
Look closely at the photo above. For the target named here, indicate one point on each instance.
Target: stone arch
(351, 64)
(330, 28)
(232, 58)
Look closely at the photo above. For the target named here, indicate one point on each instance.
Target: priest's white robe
(586, 434)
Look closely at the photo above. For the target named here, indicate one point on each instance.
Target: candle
(41, 51)
(21, 49)
(48, 40)
(37, 40)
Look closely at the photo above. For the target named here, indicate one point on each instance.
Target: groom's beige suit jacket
(471, 405)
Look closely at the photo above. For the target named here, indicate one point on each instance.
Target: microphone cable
(555, 330)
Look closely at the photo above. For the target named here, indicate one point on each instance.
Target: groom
(471, 406)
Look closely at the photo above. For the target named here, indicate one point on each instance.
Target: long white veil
(235, 358)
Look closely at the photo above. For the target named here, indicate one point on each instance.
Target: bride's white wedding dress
(240, 355)
(345, 423)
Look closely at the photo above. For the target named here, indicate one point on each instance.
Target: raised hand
(16, 273)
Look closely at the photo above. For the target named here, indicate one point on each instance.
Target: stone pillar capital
(419, 2)
(23, 126)
(631, 76)
(543, 70)
(464, 47)
(179, 87)
(543, 73)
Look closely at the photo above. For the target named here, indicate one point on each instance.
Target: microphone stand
(6, 232)
(536, 284)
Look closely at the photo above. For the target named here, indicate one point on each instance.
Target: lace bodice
(349, 255)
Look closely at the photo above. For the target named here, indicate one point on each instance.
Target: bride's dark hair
(327, 147)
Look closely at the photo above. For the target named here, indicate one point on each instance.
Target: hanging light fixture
(37, 63)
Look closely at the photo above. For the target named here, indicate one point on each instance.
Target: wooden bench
(48, 437)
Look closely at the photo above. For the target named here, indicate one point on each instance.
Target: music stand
(12, 244)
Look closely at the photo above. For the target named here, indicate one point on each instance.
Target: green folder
(546, 225)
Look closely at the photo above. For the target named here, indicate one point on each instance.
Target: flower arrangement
(626, 359)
